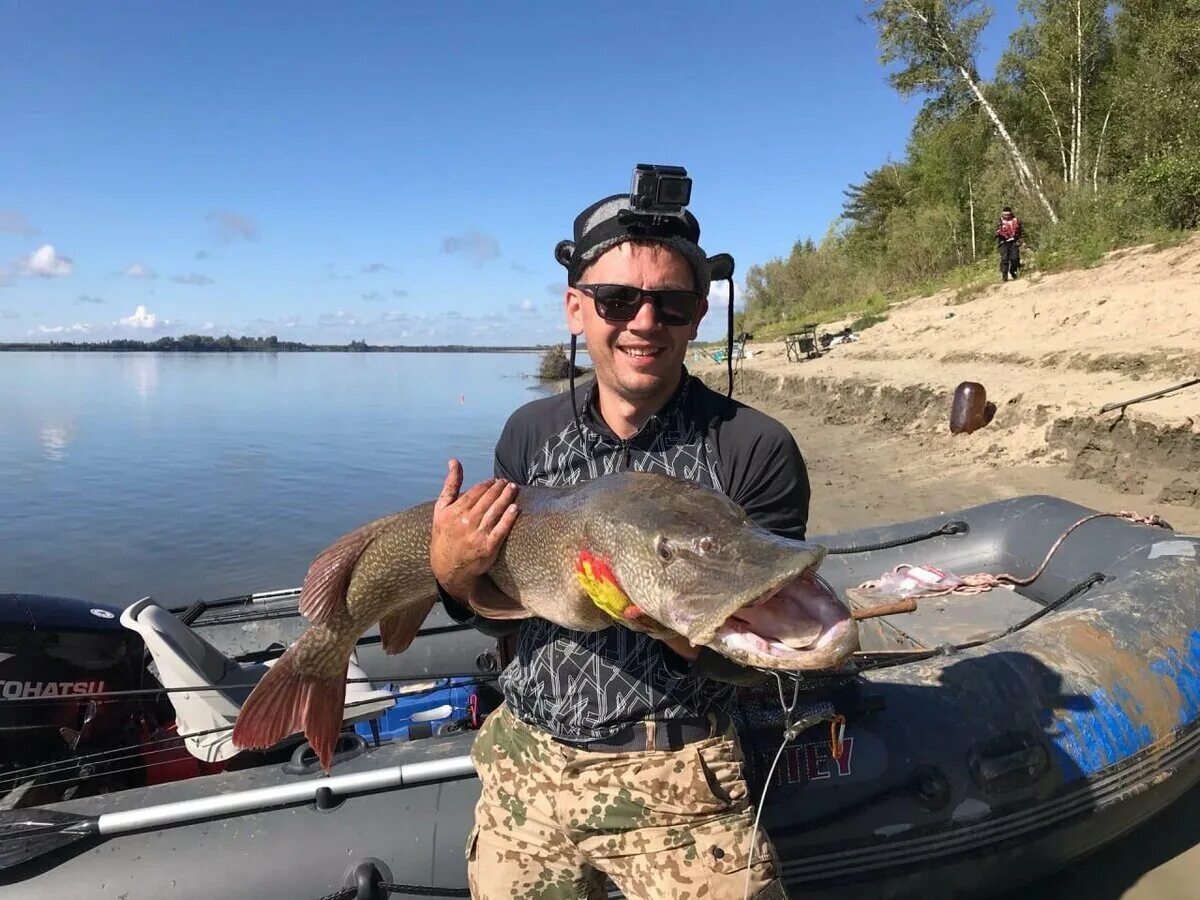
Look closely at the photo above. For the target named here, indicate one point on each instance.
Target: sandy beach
(872, 418)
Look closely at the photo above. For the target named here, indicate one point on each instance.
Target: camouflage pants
(660, 823)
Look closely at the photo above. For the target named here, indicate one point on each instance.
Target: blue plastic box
(449, 705)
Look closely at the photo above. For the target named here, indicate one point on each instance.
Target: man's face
(639, 358)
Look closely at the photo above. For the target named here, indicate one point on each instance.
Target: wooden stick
(885, 609)
(1109, 407)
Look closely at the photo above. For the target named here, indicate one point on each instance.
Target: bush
(1170, 187)
(865, 322)
(555, 366)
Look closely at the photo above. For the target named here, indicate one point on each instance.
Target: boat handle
(1029, 760)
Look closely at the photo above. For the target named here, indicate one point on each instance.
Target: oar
(26, 834)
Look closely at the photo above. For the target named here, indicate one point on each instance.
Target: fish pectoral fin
(328, 579)
(400, 627)
(498, 605)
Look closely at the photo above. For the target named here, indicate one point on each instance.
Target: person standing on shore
(1008, 239)
(613, 753)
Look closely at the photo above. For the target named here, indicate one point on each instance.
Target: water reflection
(141, 370)
(55, 438)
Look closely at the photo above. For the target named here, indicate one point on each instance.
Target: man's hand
(468, 531)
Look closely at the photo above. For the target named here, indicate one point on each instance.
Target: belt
(667, 734)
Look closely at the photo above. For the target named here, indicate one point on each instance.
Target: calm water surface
(186, 476)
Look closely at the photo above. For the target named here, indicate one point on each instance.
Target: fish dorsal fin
(599, 582)
(400, 627)
(328, 578)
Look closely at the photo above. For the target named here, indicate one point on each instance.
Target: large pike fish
(645, 551)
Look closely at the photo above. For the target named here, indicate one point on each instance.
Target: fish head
(689, 558)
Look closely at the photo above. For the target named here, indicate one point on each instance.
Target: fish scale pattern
(589, 685)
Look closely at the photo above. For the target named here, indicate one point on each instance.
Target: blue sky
(400, 172)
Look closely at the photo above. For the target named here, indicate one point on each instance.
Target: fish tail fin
(294, 697)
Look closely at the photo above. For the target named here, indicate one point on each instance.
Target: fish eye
(663, 549)
(706, 544)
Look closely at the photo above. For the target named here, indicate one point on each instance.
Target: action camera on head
(660, 189)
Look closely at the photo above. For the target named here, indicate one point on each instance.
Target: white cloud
(139, 270)
(718, 295)
(230, 226)
(143, 319)
(77, 328)
(44, 262)
(341, 318)
(394, 315)
(475, 245)
(192, 278)
(88, 298)
(289, 321)
(207, 326)
(372, 268)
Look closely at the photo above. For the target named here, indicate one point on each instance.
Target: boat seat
(184, 659)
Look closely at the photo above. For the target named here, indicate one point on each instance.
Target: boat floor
(957, 618)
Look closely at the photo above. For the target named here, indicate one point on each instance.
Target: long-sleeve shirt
(589, 685)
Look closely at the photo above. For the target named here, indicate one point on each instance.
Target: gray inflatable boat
(976, 744)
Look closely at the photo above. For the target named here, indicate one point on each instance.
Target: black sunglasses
(621, 302)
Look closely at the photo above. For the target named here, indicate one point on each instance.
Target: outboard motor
(54, 653)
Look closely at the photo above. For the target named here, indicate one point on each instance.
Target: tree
(936, 41)
(1060, 60)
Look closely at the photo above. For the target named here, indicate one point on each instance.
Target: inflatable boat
(977, 743)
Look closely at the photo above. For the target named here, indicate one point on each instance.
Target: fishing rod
(26, 834)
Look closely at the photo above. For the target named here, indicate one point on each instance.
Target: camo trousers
(662, 824)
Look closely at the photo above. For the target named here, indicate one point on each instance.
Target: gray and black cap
(612, 221)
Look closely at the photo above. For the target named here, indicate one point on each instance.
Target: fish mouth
(800, 624)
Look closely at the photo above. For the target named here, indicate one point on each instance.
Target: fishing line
(788, 710)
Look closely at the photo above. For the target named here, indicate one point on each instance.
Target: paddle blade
(26, 834)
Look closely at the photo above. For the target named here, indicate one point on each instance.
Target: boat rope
(891, 658)
(384, 888)
(955, 527)
(108, 696)
(116, 755)
(979, 582)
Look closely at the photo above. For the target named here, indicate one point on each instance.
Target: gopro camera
(660, 189)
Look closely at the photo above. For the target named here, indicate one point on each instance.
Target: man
(613, 752)
(1008, 239)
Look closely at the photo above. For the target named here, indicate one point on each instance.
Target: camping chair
(802, 344)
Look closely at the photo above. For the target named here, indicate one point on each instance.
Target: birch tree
(935, 43)
(1060, 59)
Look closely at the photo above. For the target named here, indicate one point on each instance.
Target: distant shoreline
(281, 347)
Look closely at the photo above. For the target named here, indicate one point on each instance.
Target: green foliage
(554, 364)
(1101, 102)
(862, 323)
(1170, 187)
(931, 40)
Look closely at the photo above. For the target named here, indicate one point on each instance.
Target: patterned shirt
(589, 685)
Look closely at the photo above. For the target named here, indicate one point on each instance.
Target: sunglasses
(621, 302)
